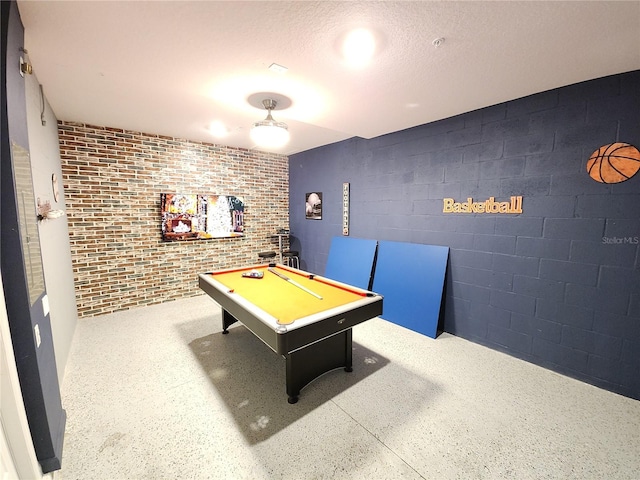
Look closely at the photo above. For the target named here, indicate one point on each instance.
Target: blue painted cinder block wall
(559, 284)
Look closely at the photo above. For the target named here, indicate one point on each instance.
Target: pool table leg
(227, 320)
(310, 362)
(348, 360)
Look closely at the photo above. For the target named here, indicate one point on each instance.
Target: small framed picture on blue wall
(313, 206)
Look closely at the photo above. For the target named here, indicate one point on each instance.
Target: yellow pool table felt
(282, 299)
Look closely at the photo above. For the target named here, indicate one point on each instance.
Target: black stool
(267, 256)
(290, 258)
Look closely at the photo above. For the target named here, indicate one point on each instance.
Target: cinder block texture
(556, 285)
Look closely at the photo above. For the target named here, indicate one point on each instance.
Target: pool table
(304, 317)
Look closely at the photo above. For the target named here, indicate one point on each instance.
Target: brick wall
(112, 185)
(545, 285)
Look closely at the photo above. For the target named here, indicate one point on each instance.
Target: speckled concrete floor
(160, 393)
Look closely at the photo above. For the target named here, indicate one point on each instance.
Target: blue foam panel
(410, 276)
(351, 261)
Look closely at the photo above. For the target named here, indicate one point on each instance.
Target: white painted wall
(54, 234)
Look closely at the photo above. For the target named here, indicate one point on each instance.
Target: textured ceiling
(172, 67)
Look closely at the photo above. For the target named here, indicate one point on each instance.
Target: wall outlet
(36, 330)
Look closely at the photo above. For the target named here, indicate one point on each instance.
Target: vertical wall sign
(345, 209)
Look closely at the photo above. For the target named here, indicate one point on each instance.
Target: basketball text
(514, 205)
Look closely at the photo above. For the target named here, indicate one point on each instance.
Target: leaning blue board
(351, 261)
(410, 277)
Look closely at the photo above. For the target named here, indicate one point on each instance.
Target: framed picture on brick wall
(201, 217)
(313, 206)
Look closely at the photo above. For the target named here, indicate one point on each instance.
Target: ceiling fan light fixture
(269, 133)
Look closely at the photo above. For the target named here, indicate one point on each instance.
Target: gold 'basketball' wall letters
(514, 205)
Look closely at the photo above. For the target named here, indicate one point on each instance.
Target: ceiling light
(358, 47)
(269, 133)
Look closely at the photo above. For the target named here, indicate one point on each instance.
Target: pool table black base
(309, 362)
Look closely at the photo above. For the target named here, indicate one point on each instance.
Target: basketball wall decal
(614, 163)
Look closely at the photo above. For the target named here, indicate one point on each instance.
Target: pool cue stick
(284, 277)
